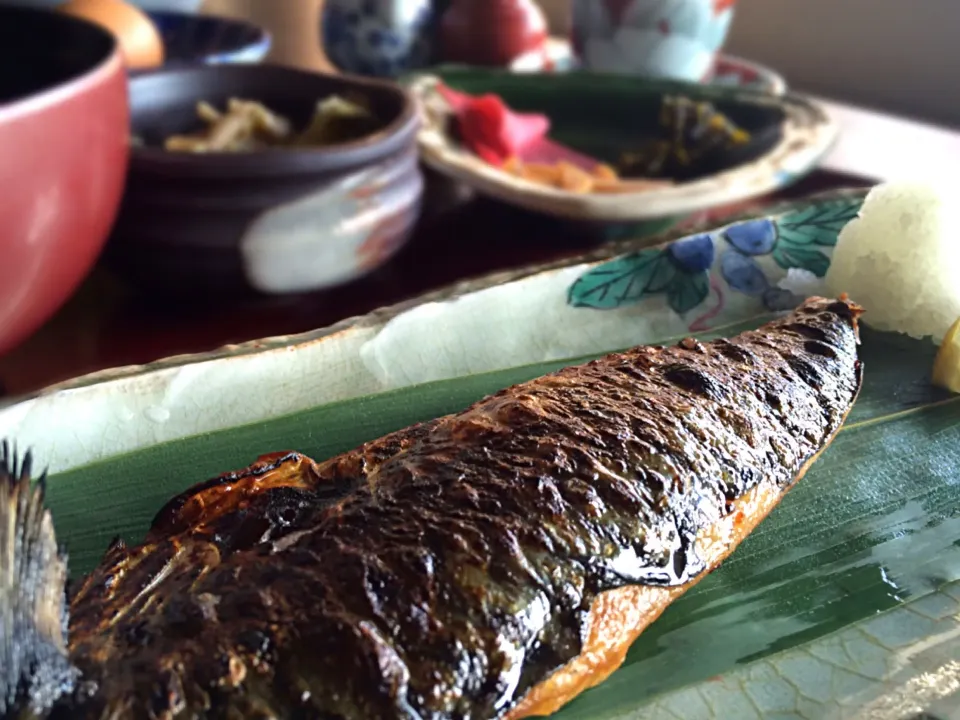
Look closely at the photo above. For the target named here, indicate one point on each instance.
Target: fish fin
(34, 667)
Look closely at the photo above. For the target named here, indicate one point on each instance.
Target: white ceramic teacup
(676, 39)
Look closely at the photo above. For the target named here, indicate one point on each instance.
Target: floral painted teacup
(676, 39)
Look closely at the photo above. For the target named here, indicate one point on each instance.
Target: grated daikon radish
(900, 259)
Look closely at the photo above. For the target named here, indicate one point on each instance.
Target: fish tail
(34, 667)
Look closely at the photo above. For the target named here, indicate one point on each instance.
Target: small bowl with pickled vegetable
(614, 149)
(264, 178)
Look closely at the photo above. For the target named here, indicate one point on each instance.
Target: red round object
(64, 144)
(491, 32)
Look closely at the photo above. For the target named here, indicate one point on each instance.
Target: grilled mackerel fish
(488, 564)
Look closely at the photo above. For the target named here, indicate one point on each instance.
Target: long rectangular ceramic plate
(844, 603)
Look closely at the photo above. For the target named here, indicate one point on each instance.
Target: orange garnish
(564, 175)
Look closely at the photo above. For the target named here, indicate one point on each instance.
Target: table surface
(106, 324)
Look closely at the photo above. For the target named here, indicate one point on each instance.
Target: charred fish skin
(447, 569)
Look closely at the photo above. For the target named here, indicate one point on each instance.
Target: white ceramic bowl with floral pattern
(675, 39)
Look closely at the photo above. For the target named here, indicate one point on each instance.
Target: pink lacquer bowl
(64, 144)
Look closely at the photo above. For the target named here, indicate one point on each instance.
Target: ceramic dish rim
(778, 83)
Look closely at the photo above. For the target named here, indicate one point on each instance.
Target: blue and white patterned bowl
(379, 38)
(209, 40)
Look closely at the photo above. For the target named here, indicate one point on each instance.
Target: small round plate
(800, 133)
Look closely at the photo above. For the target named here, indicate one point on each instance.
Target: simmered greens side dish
(248, 125)
(693, 132)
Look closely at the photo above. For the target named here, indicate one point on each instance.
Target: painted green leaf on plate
(623, 281)
(686, 291)
(875, 522)
(818, 224)
(804, 258)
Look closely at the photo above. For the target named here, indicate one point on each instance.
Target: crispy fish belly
(488, 564)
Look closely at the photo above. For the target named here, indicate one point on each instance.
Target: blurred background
(894, 55)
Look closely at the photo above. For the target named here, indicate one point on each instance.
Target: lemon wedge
(946, 366)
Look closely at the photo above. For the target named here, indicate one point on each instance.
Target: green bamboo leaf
(818, 224)
(873, 524)
(863, 666)
(623, 281)
(803, 258)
